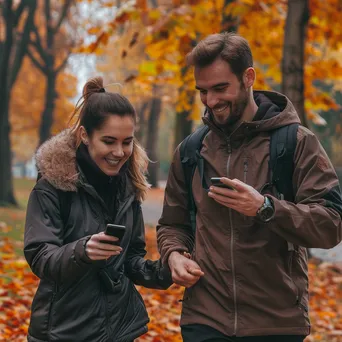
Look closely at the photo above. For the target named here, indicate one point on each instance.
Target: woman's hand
(99, 247)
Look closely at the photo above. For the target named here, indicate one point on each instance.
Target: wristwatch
(266, 212)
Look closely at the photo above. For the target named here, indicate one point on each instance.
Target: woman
(90, 175)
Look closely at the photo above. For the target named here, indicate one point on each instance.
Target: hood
(274, 110)
(56, 161)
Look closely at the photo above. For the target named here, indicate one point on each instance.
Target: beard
(236, 110)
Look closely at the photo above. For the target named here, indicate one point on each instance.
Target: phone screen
(216, 181)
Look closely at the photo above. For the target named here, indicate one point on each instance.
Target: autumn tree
(27, 104)
(17, 18)
(49, 51)
(293, 54)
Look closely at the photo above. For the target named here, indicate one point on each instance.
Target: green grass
(12, 219)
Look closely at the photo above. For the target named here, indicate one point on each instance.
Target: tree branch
(63, 64)
(65, 9)
(19, 12)
(36, 62)
(22, 45)
(37, 44)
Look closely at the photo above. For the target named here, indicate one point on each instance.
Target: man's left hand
(244, 199)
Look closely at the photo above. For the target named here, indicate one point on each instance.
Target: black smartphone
(115, 230)
(216, 181)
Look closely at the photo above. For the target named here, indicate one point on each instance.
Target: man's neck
(250, 110)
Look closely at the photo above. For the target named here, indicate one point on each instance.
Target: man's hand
(244, 199)
(185, 272)
(98, 247)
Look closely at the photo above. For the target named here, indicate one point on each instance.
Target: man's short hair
(229, 46)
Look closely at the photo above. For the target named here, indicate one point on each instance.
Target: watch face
(266, 213)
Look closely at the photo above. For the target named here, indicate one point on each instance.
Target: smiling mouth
(112, 162)
(220, 110)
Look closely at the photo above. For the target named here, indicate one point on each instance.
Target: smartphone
(216, 181)
(115, 230)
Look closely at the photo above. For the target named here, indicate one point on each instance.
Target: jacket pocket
(52, 302)
(296, 289)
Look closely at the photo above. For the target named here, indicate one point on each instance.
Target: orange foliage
(172, 29)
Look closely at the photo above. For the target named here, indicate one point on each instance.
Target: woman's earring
(85, 142)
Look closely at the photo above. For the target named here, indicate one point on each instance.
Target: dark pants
(204, 333)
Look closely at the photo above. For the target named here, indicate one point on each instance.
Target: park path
(153, 205)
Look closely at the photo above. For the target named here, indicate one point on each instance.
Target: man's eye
(108, 142)
(203, 92)
(220, 89)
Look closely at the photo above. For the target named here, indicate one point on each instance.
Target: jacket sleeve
(142, 271)
(174, 231)
(44, 250)
(314, 220)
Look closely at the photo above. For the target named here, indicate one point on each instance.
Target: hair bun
(93, 85)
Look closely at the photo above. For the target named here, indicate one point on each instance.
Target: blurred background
(48, 49)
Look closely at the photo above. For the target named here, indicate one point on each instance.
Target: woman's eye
(127, 142)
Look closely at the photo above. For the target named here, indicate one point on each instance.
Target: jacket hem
(241, 332)
(303, 331)
(133, 335)
(31, 338)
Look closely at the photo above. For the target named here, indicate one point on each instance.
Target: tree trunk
(47, 62)
(152, 140)
(47, 114)
(8, 73)
(141, 133)
(184, 124)
(228, 22)
(293, 54)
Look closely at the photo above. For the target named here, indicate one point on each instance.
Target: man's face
(221, 91)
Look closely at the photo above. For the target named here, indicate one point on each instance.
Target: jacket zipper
(245, 170)
(232, 244)
(293, 282)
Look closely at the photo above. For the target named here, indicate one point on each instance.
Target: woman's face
(111, 145)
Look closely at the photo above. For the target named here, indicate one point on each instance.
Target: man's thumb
(196, 272)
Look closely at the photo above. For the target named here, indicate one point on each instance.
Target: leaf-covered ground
(18, 285)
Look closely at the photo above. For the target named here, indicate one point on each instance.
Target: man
(242, 281)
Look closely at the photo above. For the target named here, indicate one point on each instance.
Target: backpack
(282, 147)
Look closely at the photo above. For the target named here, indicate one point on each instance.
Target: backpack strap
(282, 148)
(190, 158)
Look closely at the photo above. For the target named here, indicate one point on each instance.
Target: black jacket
(79, 299)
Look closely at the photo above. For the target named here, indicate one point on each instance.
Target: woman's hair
(229, 46)
(91, 112)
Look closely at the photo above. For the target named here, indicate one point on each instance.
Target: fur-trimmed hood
(56, 161)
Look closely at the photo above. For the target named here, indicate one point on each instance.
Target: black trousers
(204, 333)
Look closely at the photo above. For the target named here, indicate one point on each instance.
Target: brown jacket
(253, 285)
